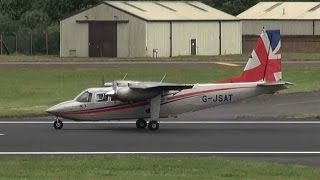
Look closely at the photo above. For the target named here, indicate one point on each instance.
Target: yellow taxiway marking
(227, 64)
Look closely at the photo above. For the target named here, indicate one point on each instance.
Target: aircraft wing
(159, 86)
(142, 91)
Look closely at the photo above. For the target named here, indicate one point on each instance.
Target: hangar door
(102, 39)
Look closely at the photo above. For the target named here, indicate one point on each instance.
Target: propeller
(102, 80)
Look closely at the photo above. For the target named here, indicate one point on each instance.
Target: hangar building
(299, 23)
(148, 29)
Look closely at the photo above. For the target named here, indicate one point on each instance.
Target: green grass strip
(146, 167)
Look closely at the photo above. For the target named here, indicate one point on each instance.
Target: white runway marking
(146, 153)
(166, 122)
(2, 134)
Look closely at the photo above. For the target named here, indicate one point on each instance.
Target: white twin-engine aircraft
(154, 100)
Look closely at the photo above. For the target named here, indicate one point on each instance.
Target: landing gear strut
(153, 125)
(141, 123)
(58, 124)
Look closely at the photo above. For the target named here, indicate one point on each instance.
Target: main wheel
(141, 124)
(153, 125)
(58, 124)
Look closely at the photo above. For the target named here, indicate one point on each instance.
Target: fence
(27, 43)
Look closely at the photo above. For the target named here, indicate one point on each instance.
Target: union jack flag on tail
(264, 63)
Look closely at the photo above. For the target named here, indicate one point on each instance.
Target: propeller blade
(102, 80)
(114, 85)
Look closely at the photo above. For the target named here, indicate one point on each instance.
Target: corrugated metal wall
(206, 33)
(74, 39)
(158, 37)
(317, 27)
(74, 36)
(290, 27)
(231, 37)
(123, 40)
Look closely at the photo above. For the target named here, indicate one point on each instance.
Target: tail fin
(264, 63)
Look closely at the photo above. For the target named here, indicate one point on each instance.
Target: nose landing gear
(57, 124)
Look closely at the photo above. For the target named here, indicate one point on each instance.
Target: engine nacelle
(127, 94)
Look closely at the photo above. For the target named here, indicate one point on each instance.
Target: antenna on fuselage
(163, 77)
(125, 76)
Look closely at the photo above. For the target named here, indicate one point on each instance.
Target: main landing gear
(152, 125)
(58, 124)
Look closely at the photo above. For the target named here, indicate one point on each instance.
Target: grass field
(28, 91)
(146, 167)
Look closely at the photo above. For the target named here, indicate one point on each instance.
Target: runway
(248, 126)
(241, 136)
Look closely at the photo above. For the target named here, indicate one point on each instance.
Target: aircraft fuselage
(173, 103)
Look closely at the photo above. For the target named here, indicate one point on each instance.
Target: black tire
(153, 125)
(141, 124)
(58, 124)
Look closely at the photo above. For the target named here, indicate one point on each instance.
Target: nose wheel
(58, 124)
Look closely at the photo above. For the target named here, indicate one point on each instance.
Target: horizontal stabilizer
(280, 83)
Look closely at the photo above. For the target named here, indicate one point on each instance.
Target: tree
(15, 8)
(57, 9)
(35, 19)
(7, 24)
(236, 7)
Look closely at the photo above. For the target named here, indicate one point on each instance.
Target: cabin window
(85, 97)
(101, 97)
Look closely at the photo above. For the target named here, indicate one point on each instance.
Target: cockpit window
(84, 97)
(100, 97)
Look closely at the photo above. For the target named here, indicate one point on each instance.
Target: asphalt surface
(178, 137)
(258, 125)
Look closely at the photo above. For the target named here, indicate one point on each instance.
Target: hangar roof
(170, 10)
(283, 11)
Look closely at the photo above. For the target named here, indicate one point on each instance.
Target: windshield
(84, 97)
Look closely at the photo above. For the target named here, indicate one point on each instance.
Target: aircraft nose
(53, 110)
